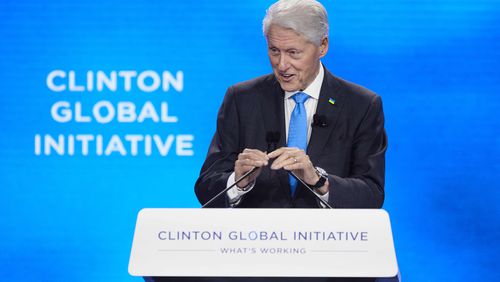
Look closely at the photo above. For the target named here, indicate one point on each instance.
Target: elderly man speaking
(329, 132)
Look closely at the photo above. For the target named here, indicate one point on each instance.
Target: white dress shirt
(234, 194)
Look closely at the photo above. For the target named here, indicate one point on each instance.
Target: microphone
(272, 138)
(319, 121)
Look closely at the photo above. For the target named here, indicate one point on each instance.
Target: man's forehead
(285, 38)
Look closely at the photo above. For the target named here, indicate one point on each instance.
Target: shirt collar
(314, 88)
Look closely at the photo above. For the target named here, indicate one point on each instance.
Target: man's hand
(296, 160)
(246, 161)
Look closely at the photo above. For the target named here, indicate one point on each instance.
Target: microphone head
(319, 120)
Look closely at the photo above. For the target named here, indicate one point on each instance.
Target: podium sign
(263, 243)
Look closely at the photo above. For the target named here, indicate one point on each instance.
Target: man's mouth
(286, 77)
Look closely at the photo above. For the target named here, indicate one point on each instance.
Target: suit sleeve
(222, 154)
(364, 186)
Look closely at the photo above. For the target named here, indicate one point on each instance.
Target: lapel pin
(332, 101)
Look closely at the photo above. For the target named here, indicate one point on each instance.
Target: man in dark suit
(340, 148)
(330, 131)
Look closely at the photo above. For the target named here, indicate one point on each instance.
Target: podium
(263, 243)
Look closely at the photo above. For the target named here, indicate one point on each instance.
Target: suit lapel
(273, 113)
(320, 135)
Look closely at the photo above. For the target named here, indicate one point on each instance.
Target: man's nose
(283, 63)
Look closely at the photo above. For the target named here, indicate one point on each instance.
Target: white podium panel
(263, 243)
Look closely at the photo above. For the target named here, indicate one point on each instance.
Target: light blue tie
(297, 131)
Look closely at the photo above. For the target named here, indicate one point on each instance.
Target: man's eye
(294, 53)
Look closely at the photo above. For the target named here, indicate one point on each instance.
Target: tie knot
(300, 97)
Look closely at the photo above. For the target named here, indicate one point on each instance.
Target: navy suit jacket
(350, 147)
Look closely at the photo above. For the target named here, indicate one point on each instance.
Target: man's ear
(324, 47)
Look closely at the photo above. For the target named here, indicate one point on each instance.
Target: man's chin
(289, 87)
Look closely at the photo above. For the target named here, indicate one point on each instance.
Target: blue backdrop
(67, 216)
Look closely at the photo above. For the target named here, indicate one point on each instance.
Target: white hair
(306, 17)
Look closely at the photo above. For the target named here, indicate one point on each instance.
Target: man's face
(295, 60)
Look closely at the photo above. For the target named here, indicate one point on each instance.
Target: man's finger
(250, 163)
(278, 152)
(295, 166)
(287, 157)
(256, 152)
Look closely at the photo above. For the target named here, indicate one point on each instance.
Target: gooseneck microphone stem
(230, 186)
(272, 138)
(312, 191)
